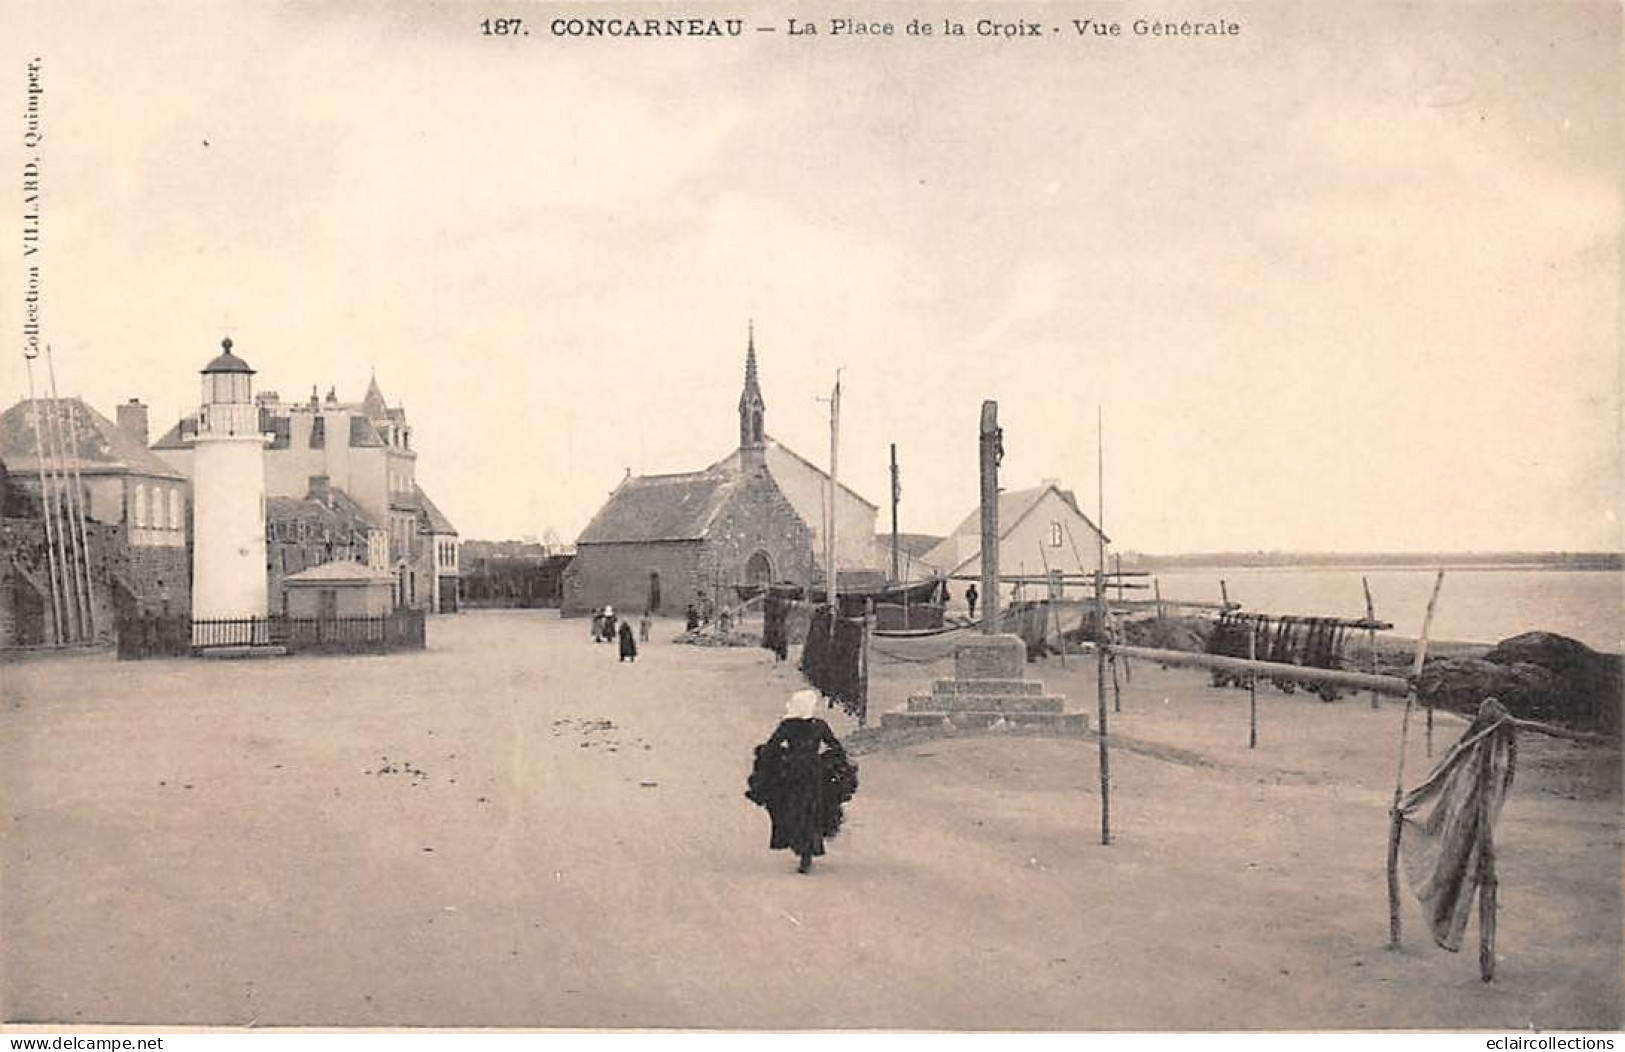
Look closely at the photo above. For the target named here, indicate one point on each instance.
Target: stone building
(365, 451)
(664, 541)
(322, 527)
(136, 516)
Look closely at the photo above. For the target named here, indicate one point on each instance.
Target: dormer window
(1055, 535)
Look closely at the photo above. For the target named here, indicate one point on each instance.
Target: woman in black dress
(629, 646)
(802, 777)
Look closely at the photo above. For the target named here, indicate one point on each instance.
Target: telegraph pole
(834, 460)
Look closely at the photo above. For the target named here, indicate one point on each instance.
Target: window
(1055, 535)
(175, 509)
(141, 505)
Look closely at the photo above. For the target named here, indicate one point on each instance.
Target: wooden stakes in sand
(1371, 636)
(1422, 652)
(1396, 823)
(1486, 870)
(1252, 688)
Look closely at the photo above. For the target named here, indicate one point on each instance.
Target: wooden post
(1252, 688)
(1371, 636)
(1486, 867)
(1117, 561)
(1117, 690)
(863, 659)
(1052, 580)
(1100, 698)
(1156, 587)
(1224, 594)
(1397, 820)
(1395, 827)
(1422, 651)
(895, 493)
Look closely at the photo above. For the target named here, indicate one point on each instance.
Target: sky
(1348, 281)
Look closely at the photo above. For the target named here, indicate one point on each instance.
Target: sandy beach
(513, 829)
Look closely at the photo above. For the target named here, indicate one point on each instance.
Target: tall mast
(45, 506)
(1100, 482)
(53, 446)
(79, 562)
(84, 533)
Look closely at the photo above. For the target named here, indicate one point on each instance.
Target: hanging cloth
(1441, 847)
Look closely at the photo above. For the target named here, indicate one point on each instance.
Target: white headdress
(803, 705)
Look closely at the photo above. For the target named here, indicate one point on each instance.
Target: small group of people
(803, 778)
(606, 628)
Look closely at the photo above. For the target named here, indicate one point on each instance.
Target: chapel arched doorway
(759, 569)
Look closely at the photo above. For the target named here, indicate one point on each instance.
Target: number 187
(503, 27)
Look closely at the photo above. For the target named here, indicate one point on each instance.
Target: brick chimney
(320, 489)
(132, 420)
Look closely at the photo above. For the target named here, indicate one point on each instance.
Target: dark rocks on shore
(1538, 676)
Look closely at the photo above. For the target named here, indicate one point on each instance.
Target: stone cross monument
(992, 451)
(989, 688)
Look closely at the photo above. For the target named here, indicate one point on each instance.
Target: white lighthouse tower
(228, 498)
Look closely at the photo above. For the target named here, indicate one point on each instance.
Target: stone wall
(618, 575)
(758, 518)
(159, 580)
(124, 580)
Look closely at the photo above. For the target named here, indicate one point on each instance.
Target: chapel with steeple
(756, 516)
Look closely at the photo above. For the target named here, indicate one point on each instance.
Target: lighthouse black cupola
(228, 395)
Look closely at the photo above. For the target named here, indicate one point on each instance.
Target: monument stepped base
(1050, 722)
(987, 692)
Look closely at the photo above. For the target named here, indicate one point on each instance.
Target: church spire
(752, 409)
(372, 404)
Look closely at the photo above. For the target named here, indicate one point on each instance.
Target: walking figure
(802, 777)
(644, 627)
(629, 646)
(971, 595)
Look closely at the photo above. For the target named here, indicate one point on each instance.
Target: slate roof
(91, 443)
(176, 437)
(437, 521)
(913, 545)
(341, 570)
(731, 463)
(372, 403)
(362, 433)
(661, 508)
(340, 510)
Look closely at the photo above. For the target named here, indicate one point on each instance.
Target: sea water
(1475, 605)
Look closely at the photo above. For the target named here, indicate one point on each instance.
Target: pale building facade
(365, 451)
(1041, 529)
